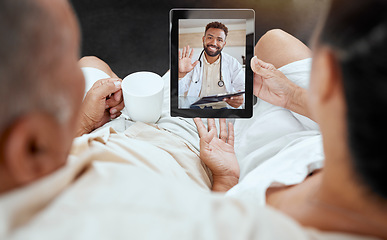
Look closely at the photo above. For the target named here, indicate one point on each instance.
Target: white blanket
(276, 147)
(129, 185)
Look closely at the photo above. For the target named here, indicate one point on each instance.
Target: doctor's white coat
(232, 71)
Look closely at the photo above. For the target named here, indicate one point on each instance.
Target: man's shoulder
(228, 58)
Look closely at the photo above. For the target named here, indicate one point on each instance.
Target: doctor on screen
(214, 72)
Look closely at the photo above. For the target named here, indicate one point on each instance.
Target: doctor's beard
(212, 54)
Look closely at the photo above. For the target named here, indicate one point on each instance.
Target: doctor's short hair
(356, 32)
(218, 25)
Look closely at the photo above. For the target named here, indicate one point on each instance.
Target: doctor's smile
(213, 47)
(212, 50)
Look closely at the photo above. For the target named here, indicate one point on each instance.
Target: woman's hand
(218, 153)
(103, 102)
(272, 86)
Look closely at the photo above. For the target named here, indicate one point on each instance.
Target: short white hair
(31, 45)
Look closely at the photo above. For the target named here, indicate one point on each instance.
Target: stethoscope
(220, 82)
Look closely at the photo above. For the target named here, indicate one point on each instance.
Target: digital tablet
(210, 53)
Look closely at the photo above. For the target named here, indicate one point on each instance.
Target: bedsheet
(120, 185)
(276, 147)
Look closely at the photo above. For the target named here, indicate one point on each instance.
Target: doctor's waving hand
(185, 61)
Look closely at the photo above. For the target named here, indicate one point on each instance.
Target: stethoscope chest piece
(221, 83)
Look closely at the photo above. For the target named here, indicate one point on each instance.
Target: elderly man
(149, 183)
(47, 90)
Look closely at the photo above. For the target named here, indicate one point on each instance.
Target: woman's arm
(272, 86)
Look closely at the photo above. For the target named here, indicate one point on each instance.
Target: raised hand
(272, 86)
(218, 153)
(185, 61)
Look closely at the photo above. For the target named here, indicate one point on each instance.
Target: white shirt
(232, 71)
(211, 78)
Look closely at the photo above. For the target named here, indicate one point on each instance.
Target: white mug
(143, 96)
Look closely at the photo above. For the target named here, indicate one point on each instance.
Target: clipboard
(216, 98)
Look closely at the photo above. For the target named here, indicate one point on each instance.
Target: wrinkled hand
(103, 102)
(270, 84)
(218, 153)
(185, 61)
(235, 101)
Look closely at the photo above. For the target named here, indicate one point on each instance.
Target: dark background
(133, 35)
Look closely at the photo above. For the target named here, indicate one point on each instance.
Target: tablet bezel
(218, 14)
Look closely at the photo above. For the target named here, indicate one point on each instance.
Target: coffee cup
(143, 96)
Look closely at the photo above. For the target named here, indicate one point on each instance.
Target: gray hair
(31, 44)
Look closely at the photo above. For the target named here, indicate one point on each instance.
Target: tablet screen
(210, 53)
